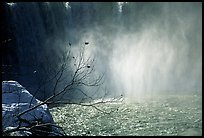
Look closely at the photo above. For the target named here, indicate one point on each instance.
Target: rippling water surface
(163, 115)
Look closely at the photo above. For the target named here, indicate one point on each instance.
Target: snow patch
(16, 99)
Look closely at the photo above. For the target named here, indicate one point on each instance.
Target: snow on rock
(15, 99)
(13, 92)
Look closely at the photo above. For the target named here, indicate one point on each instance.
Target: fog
(162, 56)
(142, 49)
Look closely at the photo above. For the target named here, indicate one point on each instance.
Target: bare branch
(83, 75)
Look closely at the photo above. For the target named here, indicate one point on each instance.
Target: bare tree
(73, 74)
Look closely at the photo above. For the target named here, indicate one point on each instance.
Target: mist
(158, 52)
(143, 49)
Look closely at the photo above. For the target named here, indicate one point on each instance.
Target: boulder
(16, 99)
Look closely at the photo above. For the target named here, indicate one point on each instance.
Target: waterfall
(143, 48)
